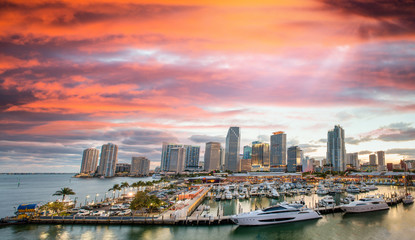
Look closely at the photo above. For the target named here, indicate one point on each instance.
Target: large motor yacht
(282, 213)
(366, 204)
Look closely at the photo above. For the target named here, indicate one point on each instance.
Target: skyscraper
(278, 150)
(247, 152)
(260, 156)
(381, 158)
(165, 155)
(336, 150)
(108, 160)
(177, 159)
(381, 161)
(89, 160)
(232, 162)
(372, 159)
(352, 159)
(222, 158)
(294, 158)
(140, 166)
(212, 156)
(192, 157)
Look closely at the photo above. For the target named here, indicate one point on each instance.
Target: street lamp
(96, 195)
(86, 200)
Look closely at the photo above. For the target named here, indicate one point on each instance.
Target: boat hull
(365, 208)
(287, 218)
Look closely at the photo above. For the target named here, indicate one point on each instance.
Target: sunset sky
(78, 74)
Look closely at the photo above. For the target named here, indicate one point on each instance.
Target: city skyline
(76, 75)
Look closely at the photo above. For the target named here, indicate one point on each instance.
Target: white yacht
(353, 189)
(408, 199)
(322, 191)
(366, 204)
(274, 193)
(228, 195)
(348, 199)
(274, 215)
(327, 201)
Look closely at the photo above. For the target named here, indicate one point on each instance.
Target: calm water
(397, 223)
(39, 189)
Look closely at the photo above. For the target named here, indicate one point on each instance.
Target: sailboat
(408, 199)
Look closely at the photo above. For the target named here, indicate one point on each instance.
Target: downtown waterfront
(397, 223)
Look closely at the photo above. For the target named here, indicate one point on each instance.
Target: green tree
(114, 188)
(63, 192)
(124, 185)
(143, 200)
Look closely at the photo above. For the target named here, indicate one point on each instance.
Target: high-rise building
(212, 156)
(246, 165)
(247, 152)
(389, 167)
(381, 160)
(260, 155)
(336, 150)
(372, 159)
(294, 158)
(177, 159)
(307, 164)
(140, 166)
(108, 160)
(192, 157)
(222, 158)
(352, 160)
(122, 168)
(165, 155)
(278, 150)
(89, 160)
(232, 161)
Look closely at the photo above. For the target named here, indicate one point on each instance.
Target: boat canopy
(27, 208)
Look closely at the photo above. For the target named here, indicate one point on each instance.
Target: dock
(190, 214)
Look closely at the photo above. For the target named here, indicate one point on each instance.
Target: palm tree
(124, 185)
(63, 192)
(114, 188)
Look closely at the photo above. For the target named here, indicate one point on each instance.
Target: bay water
(397, 223)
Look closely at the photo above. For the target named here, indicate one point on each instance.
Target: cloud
(389, 18)
(142, 137)
(365, 152)
(356, 141)
(12, 97)
(408, 152)
(206, 138)
(396, 132)
(292, 142)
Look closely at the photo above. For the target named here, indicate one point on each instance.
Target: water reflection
(277, 231)
(364, 219)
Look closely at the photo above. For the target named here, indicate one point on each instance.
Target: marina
(210, 217)
(216, 204)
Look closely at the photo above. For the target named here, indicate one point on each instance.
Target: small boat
(408, 199)
(228, 195)
(350, 198)
(352, 189)
(282, 213)
(327, 201)
(366, 204)
(322, 191)
(274, 193)
(218, 197)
